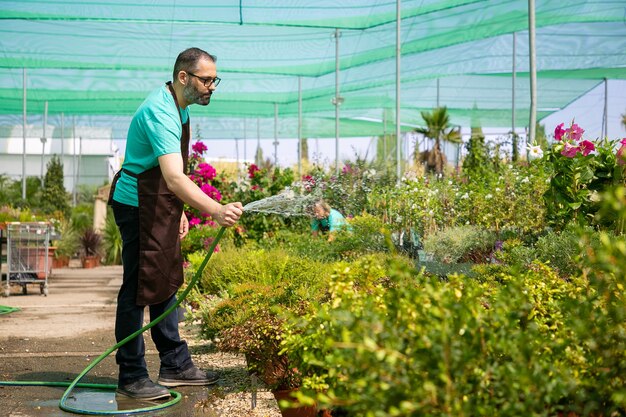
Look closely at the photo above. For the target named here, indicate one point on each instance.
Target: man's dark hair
(188, 60)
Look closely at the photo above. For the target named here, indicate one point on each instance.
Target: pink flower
(211, 191)
(194, 221)
(587, 147)
(570, 150)
(575, 132)
(559, 132)
(199, 147)
(621, 153)
(206, 171)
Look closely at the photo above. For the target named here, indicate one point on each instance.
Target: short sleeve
(315, 225)
(163, 131)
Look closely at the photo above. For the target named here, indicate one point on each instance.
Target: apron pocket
(161, 275)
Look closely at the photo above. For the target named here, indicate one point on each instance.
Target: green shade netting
(101, 58)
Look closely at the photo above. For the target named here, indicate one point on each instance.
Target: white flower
(525, 180)
(465, 196)
(535, 152)
(488, 197)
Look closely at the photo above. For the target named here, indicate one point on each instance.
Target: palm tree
(437, 128)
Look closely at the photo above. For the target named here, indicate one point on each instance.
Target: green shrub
(367, 234)
(456, 348)
(461, 244)
(53, 196)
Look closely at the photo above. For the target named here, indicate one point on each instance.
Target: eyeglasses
(207, 81)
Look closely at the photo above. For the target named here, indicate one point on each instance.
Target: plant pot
(293, 409)
(61, 261)
(90, 262)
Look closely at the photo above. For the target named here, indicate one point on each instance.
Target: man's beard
(193, 96)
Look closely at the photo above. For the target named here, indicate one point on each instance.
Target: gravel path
(53, 338)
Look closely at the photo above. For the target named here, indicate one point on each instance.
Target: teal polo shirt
(333, 222)
(154, 131)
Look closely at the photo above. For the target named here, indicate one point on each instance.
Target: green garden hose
(75, 383)
(7, 310)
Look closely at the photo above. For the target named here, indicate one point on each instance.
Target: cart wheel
(44, 289)
(24, 290)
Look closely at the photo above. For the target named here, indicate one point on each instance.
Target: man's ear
(182, 77)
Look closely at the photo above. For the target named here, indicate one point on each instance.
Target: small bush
(461, 244)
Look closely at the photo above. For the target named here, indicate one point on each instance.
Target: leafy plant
(90, 242)
(112, 241)
(437, 128)
(68, 244)
(580, 171)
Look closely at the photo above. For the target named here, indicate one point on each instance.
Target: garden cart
(27, 258)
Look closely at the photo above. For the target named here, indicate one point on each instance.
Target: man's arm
(185, 189)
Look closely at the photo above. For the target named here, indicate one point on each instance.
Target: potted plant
(90, 243)
(66, 245)
(259, 339)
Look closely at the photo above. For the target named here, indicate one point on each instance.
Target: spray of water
(287, 203)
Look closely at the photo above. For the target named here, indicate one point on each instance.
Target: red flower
(252, 170)
(559, 132)
(587, 147)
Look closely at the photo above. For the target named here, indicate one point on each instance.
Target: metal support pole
(237, 158)
(80, 157)
(62, 138)
(24, 133)
(245, 134)
(514, 74)
(398, 55)
(299, 128)
(44, 139)
(275, 134)
(437, 92)
(533, 70)
(337, 100)
(605, 115)
(258, 142)
(74, 185)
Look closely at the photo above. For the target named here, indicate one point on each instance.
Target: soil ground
(54, 338)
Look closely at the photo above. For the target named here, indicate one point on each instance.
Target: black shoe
(191, 376)
(143, 389)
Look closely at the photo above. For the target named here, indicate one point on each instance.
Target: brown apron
(160, 259)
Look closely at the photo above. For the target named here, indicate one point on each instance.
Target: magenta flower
(194, 222)
(199, 147)
(559, 132)
(570, 150)
(211, 191)
(575, 132)
(586, 147)
(206, 171)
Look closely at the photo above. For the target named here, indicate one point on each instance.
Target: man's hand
(184, 226)
(228, 214)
